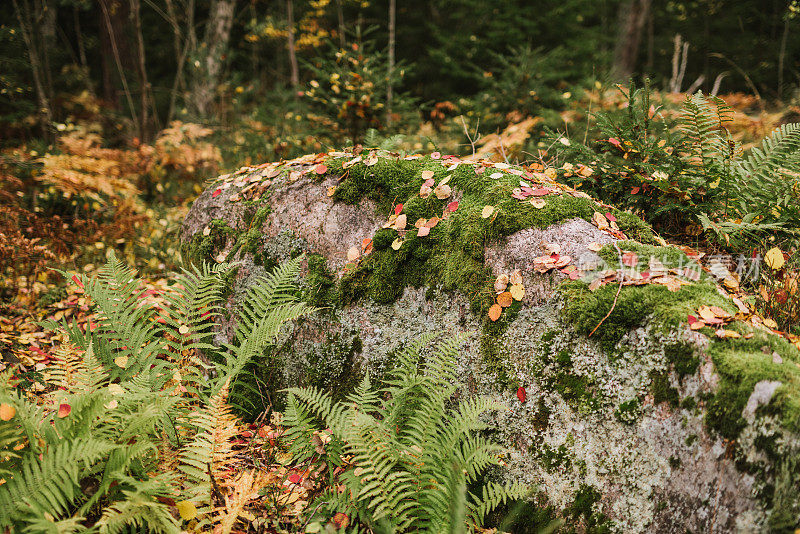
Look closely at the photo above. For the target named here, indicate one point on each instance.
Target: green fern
(124, 408)
(412, 458)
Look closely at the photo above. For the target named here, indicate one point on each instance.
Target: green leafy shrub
(134, 420)
(677, 175)
(411, 459)
(349, 89)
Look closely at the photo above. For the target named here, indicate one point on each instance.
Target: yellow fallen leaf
(723, 333)
(397, 243)
(594, 246)
(706, 313)
(769, 323)
(121, 361)
(487, 211)
(774, 258)
(515, 277)
(183, 330)
(331, 190)
(353, 253)
(187, 510)
(427, 175)
(599, 220)
(517, 291)
(538, 203)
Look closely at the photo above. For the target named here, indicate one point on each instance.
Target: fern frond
(49, 485)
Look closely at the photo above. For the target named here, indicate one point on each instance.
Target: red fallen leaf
(77, 281)
(216, 193)
(645, 275)
(614, 141)
(321, 168)
(522, 394)
(294, 478)
(554, 257)
(610, 217)
(247, 434)
(398, 209)
(540, 192)
(517, 194)
(340, 520)
(715, 320)
(691, 319)
(630, 259)
(635, 190)
(453, 206)
(64, 410)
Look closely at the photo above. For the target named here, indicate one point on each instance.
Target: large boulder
(621, 413)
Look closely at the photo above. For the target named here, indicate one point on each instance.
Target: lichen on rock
(632, 421)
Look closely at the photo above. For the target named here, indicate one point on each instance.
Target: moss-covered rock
(632, 422)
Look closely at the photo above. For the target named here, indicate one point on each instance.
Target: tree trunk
(632, 18)
(141, 70)
(28, 30)
(392, 13)
(782, 55)
(340, 16)
(295, 74)
(115, 16)
(211, 55)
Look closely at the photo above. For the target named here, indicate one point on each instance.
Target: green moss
(636, 304)
(662, 390)
(683, 358)
(319, 282)
(582, 507)
(741, 364)
(634, 227)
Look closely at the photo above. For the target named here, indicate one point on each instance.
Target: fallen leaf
(397, 243)
(494, 312)
(521, 394)
(340, 519)
(723, 333)
(187, 510)
(427, 175)
(401, 221)
(515, 277)
(423, 231)
(321, 168)
(331, 190)
(7, 412)
(537, 203)
(505, 299)
(706, 313)
(425, 191)
(398, 209)
(774, 258)
(496, 175)
(442, 191)
(183, 330)
(630, 259)
(719, 312)
(64, 410)
(216, 193)
(453, 206)
(353, 253)
(517, 291)
(610, 217)
(594, 246)
(770, 323)
(599, 220)
(371, 160)
(294, 478)
(121, 361)
(432, 222)
(501, 283)
(551, 248)
(487, 211)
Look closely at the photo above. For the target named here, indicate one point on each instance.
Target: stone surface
(590, 420)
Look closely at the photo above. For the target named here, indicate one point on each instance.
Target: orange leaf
(505, 299)
(64, 410)
(7, 412)
(494, 312)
